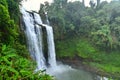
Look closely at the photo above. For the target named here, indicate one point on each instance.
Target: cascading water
(33, 33)
(51, 47)
(34, 37)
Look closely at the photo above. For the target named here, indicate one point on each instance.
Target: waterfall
(34, 37)
(51, 47)
(33, 32)
(50, 41)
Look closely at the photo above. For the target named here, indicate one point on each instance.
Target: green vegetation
(74, 47)
(15, 63)
(107, 63)
(92, 33)
(98, 23)
(14, 67)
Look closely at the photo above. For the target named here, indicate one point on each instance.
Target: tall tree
(98, 4)
(92, 4)
(83, 2)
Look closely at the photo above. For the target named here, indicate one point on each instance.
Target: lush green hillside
(107, 63)
(15, 63)
(92, 33)
(99, 23)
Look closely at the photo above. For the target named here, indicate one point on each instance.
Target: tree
(99, 21)
(83, 2)
(13, 8)
(103, 37)
(98, 4)
(102, 4)
(4, 3)
(92, 4)
(60, 3)
(8, 29)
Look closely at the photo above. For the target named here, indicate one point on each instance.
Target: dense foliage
(92, 33)
(15, 63)
(99, 23)
(15, 67)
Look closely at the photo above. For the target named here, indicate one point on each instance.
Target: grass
(109, 63)
(105, 62)
(76, 46)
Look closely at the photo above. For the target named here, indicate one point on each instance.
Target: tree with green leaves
(76, 19)
(14, 60)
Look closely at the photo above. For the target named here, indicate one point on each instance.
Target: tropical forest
(64, 40)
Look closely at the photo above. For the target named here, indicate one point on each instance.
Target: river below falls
(64, 72)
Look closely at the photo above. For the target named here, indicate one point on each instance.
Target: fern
(9, 72)
(15, 67)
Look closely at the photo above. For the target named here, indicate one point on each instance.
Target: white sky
(35, 4)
